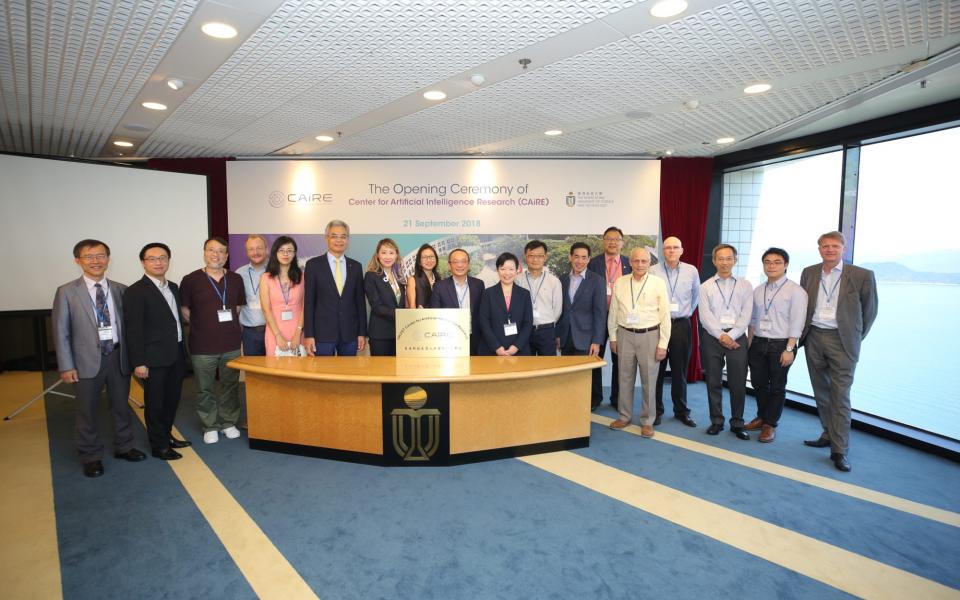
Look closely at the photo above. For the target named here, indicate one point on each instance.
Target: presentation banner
(486, 206)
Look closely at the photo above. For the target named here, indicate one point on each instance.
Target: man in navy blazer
(460, 290)
(89, 338)
(611, 265)
(583, 324)
(334, 308)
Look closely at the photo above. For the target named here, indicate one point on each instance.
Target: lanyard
(222, 297)
(285, 292)
(673, 286)
(543, 277)
(256, 288)
(766, 306)
(726, 303)
(463, 296)
(633, 299)
(832, 290)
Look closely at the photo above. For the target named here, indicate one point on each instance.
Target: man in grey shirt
(252, 323)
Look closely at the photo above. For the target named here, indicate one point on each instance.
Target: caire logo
(278, 198)
(416, 430)
(571, 200)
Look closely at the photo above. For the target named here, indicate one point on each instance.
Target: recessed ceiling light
(757, 88)
(669, 152)
(175, 84)
(477, 79)
(324, 138)
(726, 140)
(219, 30)
(122, 144)
(668, 8)
(434, 95)
(154, 106)
(552, 132)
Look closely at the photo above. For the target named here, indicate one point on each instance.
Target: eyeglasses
(613, 239)
(216, 250)
(91, 257)
(537, 256)
(338, 236)
(770, 263)
(156, 259)
(286, 251)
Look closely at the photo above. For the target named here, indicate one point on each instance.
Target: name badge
(286, 315)
(674, 307)
(633, 319)
(509, 329)
(765, 326)
(827, 313)
(254, 305)
(728, 319)
(105, 333)
(225, 315)
(536, 314)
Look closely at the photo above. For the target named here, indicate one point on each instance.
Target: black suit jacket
(383, 306)
(327, 315)
(151, 328)
(494, 313)
(584, 321)
(445, 296)
(598, 265)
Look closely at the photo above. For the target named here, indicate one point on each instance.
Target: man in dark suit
(460, 290)
(583, 324)
(841, 309)
(611, 265)
(334, 309)
(155, 347)
(89, 338)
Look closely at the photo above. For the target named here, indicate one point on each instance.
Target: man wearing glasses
(779, 308)
(211, 299)
(155, 347)
(461, 290)
(547, 296)
(89, 338)
(611, 265)
(334, 306)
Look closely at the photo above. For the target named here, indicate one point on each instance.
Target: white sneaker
(231, 432)
(210, 437)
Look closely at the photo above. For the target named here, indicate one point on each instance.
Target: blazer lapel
(83, 300)
(576, 294)
(326, 274)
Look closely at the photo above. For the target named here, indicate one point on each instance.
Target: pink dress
(278, 304)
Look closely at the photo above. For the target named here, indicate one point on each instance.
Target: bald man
(683, 285)
(639, 329)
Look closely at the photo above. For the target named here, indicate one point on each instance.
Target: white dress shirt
(726, 304)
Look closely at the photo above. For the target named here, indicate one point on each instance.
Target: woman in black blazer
(385, 294)
(506, 313)
(420, 284)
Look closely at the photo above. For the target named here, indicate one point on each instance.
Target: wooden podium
(418, 411)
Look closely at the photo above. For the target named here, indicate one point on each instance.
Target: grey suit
(832, 354)
(78, 347)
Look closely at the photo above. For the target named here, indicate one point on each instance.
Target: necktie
(339, 277)
(103, 314)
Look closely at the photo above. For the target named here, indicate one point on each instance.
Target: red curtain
(684, 199)
(216, 171)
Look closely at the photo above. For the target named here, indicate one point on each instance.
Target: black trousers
(678, 357)
(713, 355)
(383, 347)
(769, 379)
(161, 397)
(543, 342)
(614, 376)
(596, 387)
(86, 434)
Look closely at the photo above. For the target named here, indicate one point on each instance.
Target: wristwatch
(789, 349)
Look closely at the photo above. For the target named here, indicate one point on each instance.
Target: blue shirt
(726, 304)
(827, 294)
(251, 315)
(683, 286)
(779, 309)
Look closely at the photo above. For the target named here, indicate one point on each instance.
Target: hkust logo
(416, 430)
(571, 200)
(278, 198)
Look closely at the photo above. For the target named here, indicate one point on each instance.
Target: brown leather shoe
(754, 425)
(619, 424)
(646, 431)
(768, 434)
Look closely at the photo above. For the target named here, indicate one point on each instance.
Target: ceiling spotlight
(691, 104)
(434, 95)
(175, 84)
(324, 138)
(123, 144)
(669, 152)
(668, 8)
(477, 79)
(726, 140)
(552, 132)
(154, 106)
(219, 30)
(757, 88)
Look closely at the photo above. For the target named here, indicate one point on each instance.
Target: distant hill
(895, 272)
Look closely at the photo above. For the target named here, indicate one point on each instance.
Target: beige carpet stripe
(265, 568)
(834, 566)
(840, 487)
(29, 555)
